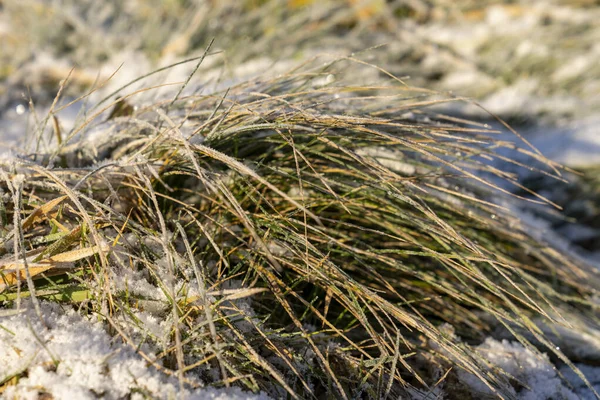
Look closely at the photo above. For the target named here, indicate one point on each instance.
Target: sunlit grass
(301, 236)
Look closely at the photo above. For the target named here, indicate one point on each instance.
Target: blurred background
(533, 63)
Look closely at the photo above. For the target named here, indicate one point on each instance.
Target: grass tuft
(300, 235)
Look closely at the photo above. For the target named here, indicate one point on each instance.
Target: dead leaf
(10, 271)
(234, 294)
(41, 211)
(74, 255)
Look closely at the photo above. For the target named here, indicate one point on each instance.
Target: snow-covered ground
(74, 358)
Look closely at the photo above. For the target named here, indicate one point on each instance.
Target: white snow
(575, 144)
(536, 375)
(74, 358)
(592, 374)
(527, 374)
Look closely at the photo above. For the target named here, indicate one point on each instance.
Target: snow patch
(533, 373)
(67, 356)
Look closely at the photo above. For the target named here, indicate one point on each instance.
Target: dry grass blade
(42, 211)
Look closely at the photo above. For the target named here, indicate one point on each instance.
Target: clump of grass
(300, 237)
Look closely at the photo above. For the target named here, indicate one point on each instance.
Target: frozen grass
(296, 235)
(309, 232)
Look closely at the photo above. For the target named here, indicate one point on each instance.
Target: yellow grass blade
(10, 271)
(74, 255)
(41, 211)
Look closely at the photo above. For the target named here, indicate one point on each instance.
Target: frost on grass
(307, 240)
(70, 357)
